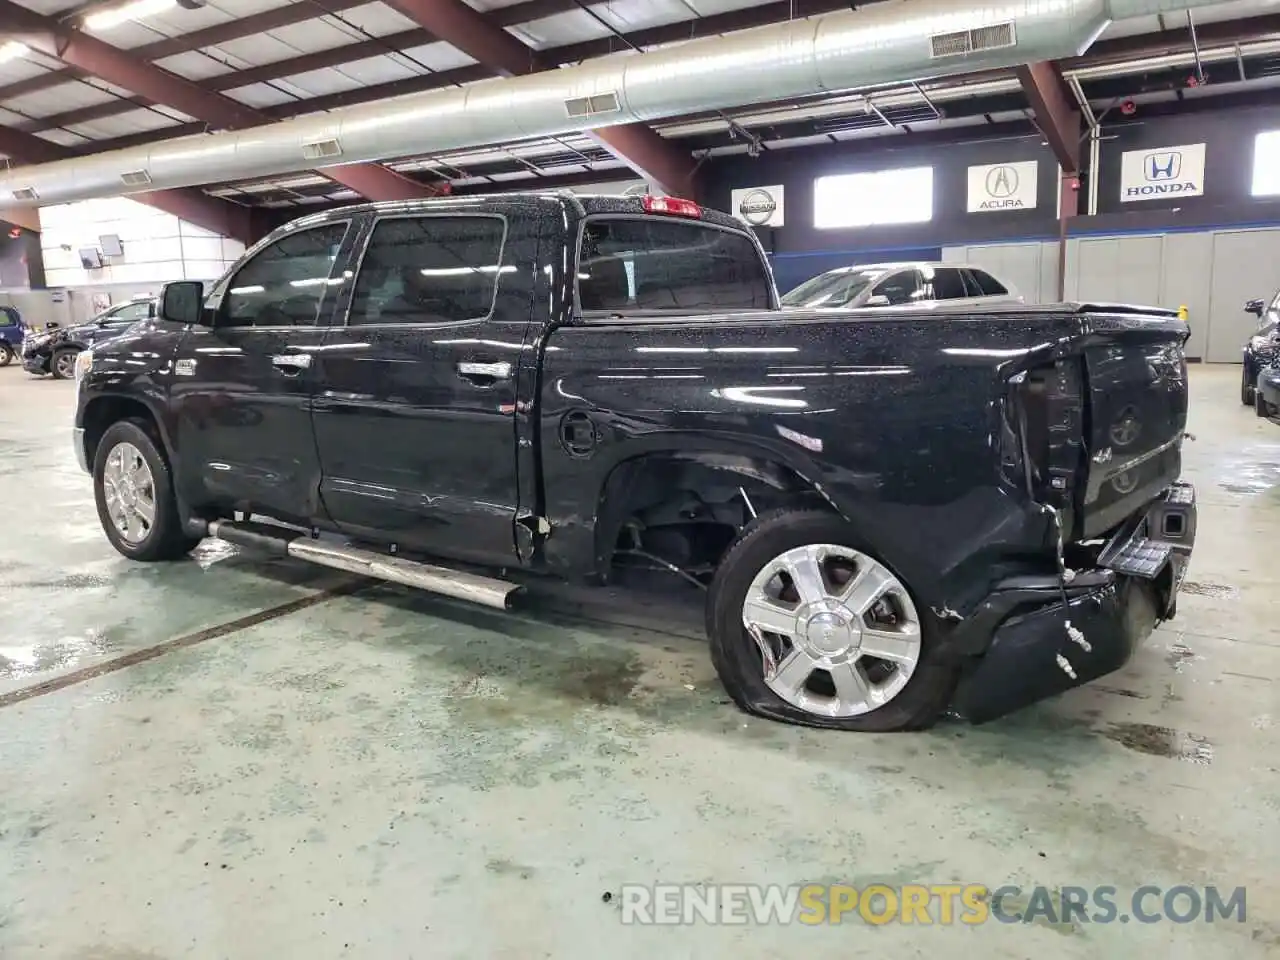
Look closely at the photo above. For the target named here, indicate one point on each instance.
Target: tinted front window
(836, 288)
(991, 287)
(948, 285)
(284, 284)
(658, 264)
(430, 270)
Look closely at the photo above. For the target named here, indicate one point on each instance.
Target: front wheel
(6, 354)
(808, 627)
(1246, 387)
(63, 363)
(134, 493)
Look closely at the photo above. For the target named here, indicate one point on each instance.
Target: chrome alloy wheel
(130, 492)
(838, 633)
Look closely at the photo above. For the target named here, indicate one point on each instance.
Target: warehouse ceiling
(100, 76)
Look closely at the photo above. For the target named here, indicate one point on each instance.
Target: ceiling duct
(884, 43)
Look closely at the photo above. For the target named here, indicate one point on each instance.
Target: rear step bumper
(1041, 646)
(281, 541)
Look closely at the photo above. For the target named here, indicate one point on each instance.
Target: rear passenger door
(415, 416)
(945, 284)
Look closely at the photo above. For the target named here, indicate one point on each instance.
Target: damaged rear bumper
(1034, 644)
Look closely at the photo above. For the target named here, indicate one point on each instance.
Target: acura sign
(1165, 173)
(759, 206)
(1003, 186)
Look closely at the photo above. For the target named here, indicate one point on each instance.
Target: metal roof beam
(636, 144)
(119, 67)
(1054, 111)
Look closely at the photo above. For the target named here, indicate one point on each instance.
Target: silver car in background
(914, 284)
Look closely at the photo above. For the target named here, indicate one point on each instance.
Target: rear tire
(63, 363)
(1260, 406)
(905, 694)
(1246, 387)
(128, 450)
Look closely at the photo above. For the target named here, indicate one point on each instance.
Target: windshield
(836, 288)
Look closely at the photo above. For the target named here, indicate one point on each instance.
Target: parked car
(916, 284)
(1262, 349)
(1267, 393)
(54, 351)
(972, 515)
(11, 335)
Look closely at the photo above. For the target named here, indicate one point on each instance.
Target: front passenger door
(901, 288)
(242, 384)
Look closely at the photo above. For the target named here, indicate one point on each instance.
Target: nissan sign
(759, 206)
(1163, 173)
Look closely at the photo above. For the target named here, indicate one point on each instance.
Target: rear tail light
(671, 206)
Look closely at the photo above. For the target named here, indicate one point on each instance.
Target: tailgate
(1136, 389)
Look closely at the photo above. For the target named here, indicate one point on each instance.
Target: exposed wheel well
(684, 510)
(102, 412)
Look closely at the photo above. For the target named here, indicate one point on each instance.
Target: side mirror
(1255, 307)
(879, 300)
(182, 301)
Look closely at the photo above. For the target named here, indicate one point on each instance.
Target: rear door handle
(291, 364)
(485, 372)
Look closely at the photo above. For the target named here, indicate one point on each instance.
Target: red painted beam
(464, 27)
(116, 66)
(1055, 112)
(195, 206)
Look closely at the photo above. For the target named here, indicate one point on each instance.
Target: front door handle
(485, 373)
(291, 364)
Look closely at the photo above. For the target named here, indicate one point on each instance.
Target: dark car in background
(55, 351)
(1262, 350)
(914, 284)
(11, 335)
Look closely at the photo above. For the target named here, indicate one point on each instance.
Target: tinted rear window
(948, 284)
(991, 287)
(661, 264)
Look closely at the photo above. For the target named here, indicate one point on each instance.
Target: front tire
(63, 363)
(1260, 406)
(6, 354)
(1246, 387)
(133, 489)
(835, 638)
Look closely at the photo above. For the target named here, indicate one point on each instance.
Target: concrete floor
(278, 769)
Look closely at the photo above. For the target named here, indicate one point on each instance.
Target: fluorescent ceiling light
(13, 50)
(106, 19)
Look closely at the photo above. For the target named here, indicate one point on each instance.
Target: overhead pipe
(885, 43)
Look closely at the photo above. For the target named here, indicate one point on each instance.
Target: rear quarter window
(658, 264)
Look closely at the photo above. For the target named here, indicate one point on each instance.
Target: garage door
(1245, 265)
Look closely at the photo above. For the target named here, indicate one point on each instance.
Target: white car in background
(880, 285)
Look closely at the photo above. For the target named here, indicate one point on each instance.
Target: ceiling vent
(26, 194)
(994, 37)
(136, 178)
(592, 106)
(322, 149)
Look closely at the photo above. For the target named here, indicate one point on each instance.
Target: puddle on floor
(1253, 476)
(1218, 591)
(1159, 741)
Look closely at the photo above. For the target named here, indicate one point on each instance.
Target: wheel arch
(105, 409)
(750, 465)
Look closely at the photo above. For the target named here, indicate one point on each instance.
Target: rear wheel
(808, 627)
(63, 363)
(134, 493)
(6, 354)
(1260, 406)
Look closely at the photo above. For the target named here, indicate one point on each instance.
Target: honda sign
(1162, 174)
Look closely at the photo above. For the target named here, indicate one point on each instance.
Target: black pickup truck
(892, 514)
